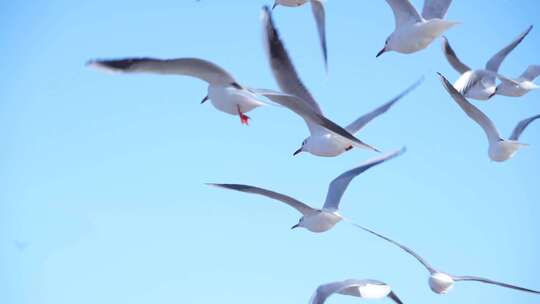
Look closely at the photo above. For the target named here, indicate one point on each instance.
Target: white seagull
(523, 84)
(225, 93)
(442, 282)
(481, 84)
(317, 220)
(367, 289)
(317, 7)
(320, 142)
(413, 32)
(500, 149)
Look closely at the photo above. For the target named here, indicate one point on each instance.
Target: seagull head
(441, 283)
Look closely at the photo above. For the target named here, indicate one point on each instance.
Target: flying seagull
(500, 149)
(367, 289)
(523, 84)
(414, 32)
(481, 84)
(317, 7)
(442, 282)
(320, 142)
(317, 220)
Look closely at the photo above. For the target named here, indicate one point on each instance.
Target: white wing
(367, 289)
(531, 72)
(452, 57)
(339, 184)
(488, 281)
(199, 68)
(473, 112)
(311, 117)
(317, 6)
(435, 9)
(296, 204)
(520, 127)
(282, 67)
(495, 62)
(358, 124)
(404, 12)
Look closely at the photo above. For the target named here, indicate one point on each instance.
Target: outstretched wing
(282, 67)
(194, 67)
(531, 72)
(339, 184)
(317, 6)
(495, 62)
(296, 204)
(452, 57)
(435, 9)
(488, 281)
(358, 124)
(520, 127)
(404, 12)
(473, 112)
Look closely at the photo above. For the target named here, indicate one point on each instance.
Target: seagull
(499, 149)
(225, 93)
(413, 32)
(524, 84)
(317, 220)
(367, 289)
(480, 84)
(320, 142)
(317, 7)
(442, 282)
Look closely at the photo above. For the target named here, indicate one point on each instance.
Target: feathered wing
(313, 119)
(368, 289)
(495, 62)
(403, 247)
(520, 127)
(435, 9)
(194, 67)
(281, 65)
(317, 6)
(404, 12)
(358, 124)
(453, 58)
(296, 204)
(488, 281)
(339, 184)
(531, 72)
(473, 112)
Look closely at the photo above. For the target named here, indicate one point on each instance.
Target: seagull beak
(297, 151)
(204, 99)
(295, 226)
(381, 52)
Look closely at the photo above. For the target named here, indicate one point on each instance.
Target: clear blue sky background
(103, 175)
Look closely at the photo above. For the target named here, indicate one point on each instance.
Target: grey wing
(324, 291)
(296, 204)
(358, 124)
(313, 119)
(473, 112)
(435, 9)
(317, 6)
(495, 62)
(405, 248)
(531, 72)
(488, 281)
(339, 184)
(394, 297)
(452, 57)
(281, 65)
(194, 67)
(404, 12)
(520, 127)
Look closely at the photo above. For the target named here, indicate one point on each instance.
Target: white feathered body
(230, 100)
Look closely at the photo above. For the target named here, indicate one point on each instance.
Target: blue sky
(103, 175)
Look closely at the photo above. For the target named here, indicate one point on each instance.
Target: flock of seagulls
(413, 32)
